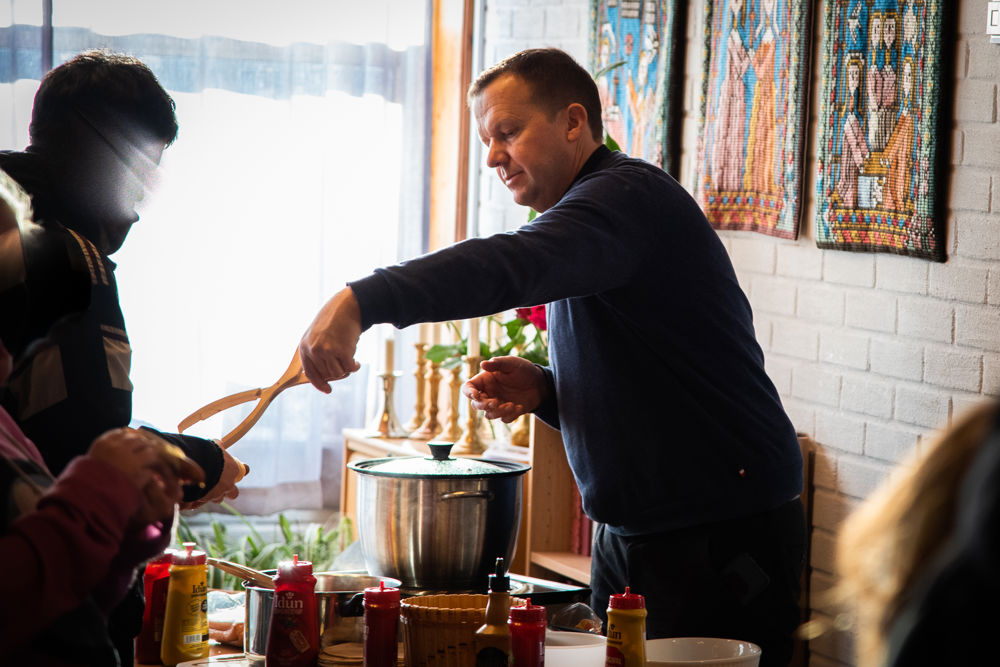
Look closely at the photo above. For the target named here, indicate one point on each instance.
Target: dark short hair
(100, 83)
(555, 79)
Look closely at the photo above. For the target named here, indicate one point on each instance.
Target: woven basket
(439, 630)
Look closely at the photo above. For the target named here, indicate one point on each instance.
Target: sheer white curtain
(300, 164)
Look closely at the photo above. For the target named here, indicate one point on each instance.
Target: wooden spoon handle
(216, 406)
(241, 571)
(293, 375)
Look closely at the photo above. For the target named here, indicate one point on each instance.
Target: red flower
(535, 315)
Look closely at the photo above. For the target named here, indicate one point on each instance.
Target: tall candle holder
(418, 374)
(430, 427)
(385, 424)
(471, 441)
(453, 431)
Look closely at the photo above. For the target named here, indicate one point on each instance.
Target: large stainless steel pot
(438, 523)
(339, 598)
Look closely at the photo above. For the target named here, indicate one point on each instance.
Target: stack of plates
(348, 653)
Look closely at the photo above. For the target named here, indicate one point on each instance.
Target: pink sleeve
(57, 555)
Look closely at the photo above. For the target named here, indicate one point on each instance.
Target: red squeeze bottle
(381, 622)
(527, 635)
(154, 583)
(293, 632)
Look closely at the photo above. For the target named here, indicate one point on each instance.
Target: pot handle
(354, 606)
(454, 495)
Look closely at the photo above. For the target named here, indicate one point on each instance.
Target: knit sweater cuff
(374, 299)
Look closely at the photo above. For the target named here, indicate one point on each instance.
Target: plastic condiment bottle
(492, 639)
(527, 635)
(626, 630)
(381, 622)
(293, 632)
(155, 580)
(185, 623)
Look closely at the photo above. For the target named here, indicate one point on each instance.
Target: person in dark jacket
(70, 545)
(99, 125)
(675, 434)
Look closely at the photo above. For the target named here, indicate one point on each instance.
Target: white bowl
(574, 649)
(677, 651)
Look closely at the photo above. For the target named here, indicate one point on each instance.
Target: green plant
(316, 543)
(524, 336)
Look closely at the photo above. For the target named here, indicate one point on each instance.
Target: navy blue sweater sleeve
(581, 246)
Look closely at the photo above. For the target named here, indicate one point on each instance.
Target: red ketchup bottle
(527, 635)
(293, 632)
(381, 623)
(154, 583)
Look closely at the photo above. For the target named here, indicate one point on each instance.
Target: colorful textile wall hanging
(641, 99)
(878, 188)
(753, 114)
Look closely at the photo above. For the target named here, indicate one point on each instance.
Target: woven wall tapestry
(641, 100)
(753, 114)
(878, 188)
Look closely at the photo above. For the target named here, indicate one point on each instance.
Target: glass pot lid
(439, 464)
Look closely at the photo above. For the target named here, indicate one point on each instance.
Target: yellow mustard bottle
(626, 630)
(185, 624)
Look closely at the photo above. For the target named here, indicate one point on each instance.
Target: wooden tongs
(292, 376)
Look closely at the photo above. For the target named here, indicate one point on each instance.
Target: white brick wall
(871, 353)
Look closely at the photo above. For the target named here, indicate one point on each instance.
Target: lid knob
(440, 450)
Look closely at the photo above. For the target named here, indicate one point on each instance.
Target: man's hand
(507, 388)
(157, 468)
(328, 346)
(233, 470)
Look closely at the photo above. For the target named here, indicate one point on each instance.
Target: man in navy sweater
(675, 434)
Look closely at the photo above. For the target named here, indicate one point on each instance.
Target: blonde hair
(892, 537)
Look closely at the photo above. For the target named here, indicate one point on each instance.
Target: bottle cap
(166, 557)
(295, 568)
(190, 556)
(528, 613)
(626, 600)
(381, 594)
(499, 581)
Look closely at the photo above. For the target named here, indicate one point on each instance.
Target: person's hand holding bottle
(157, 468)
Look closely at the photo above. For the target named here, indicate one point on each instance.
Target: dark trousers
(738, 579)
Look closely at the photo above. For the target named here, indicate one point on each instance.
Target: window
(300, 164)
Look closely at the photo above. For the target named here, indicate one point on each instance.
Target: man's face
(127, 174)
(111, 175)
(530, 151)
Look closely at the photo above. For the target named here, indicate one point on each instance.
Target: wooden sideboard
(545, 540)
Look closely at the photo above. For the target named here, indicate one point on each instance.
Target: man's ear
(576, 121)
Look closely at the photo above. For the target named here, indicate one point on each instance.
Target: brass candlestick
(418, 374)
(430, 426)
(471, 442)
(520, 432)
(453, 432)
(385, 424)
